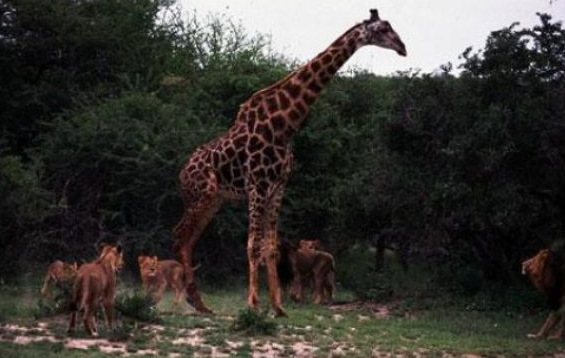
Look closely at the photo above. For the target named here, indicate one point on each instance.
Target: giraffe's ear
(374, 15)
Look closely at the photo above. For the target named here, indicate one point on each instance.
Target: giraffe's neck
(289, 100)
(305, 84)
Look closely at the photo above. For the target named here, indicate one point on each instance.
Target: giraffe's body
(253, 159)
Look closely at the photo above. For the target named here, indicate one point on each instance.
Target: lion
(309, 244)
(157, 275)
(60, 273)
(546, 272)
(303, 267)
(95, 283)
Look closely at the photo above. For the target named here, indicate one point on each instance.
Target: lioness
(156, 275)
(307, 267)
(546, 271)
(59, 272)
(96, 283)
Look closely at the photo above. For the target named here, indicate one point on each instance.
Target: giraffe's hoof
(280, 312)
(204, 309)
(198, 305)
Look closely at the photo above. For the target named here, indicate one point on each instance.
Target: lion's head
(543, 271)
(309, 244)
(113, 255)
(69, 271)
(148, 265)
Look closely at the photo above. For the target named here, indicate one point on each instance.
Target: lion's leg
(88, 320)
(318, 287)
(547, 326)
(72, 322)
(109, 312)
(160, 291)
(145, 285)
(560, 326)
(330, 287)
(200, 207)
(176, 285)
(45, 287)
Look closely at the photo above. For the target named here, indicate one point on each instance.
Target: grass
(433, 329)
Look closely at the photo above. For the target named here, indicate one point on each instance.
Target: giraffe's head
(379, 33)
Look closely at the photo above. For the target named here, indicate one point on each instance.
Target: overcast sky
(434, 31)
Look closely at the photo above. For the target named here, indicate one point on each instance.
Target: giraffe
(253, 160)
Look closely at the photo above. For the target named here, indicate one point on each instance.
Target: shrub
(138, 306)
(254, 323)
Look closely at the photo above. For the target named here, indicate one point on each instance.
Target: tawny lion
(545, 270)
(60, 273)
(96, 283)
(157, 275)
(308, 267)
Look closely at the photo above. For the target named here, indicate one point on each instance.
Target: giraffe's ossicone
(253, 159)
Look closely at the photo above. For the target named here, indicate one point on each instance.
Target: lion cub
(156, 275)
(96, 283)
(307, 267)
(60, 273)
(317, 269)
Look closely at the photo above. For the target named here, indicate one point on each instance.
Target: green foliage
(59, 303)
(254, 323)
(137, 305)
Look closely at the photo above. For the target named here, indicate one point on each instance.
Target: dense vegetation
(101, 102)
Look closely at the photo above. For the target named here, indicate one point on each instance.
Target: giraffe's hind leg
(201, 203)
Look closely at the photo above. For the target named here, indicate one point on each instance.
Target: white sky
(434, 31)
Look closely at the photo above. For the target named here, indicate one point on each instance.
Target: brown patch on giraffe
(272, 104)
(304, 75)
(292, 89)
(294, 115)
(314, 87)
(315, 66)
(262, 113)
(327, 58)
(240, 141)
(269, 152)
(242, 156)
(283, 100)
(254, 144)
(278, 122)
(230, 152)
(301, 107)
(265, 131)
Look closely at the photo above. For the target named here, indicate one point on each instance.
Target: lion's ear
(140, 259)
(155, 258)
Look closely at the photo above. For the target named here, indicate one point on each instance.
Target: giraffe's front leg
(271, 249)
(254, 245)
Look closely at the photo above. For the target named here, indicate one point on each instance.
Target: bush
(254, 323)
(138, 306)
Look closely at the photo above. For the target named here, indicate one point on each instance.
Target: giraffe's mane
(276, 84)
(291, 74)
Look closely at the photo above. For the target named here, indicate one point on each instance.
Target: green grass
(438, 327)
